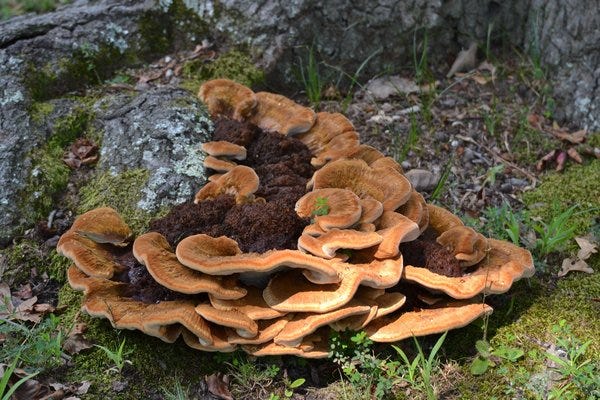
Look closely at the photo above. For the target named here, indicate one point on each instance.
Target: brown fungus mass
(382, 259)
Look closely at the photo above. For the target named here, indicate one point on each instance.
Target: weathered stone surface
(567, 35)
(43, 57)
(160, 130)
(347, 34)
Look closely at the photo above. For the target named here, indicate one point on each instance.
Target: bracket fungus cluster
(301, 230)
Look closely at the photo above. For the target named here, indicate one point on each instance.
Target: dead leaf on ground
(218, 385)
(569, 265)
(465, 60)
(75, 341)
(586, 248)
(574, 138)
(82, 152)
(24, 292)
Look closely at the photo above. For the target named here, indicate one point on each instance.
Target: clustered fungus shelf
(300, 230)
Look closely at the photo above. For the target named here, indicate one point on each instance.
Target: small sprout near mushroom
(321, 206)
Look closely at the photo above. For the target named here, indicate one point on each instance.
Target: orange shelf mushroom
(360, 221)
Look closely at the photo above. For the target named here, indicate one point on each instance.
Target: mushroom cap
(304, 324)
(241, 181)
(252, 305)
(441, 318)
(371, 210)
(495, 274)
(312, 346)
(342, 210)
(103, 225)
(219, 165)
(340, 146)
(278, 113)
(467, 245)
(384, 304)
(93, 258)
(389, 187)
(290, 291)
(440, 219)
(326, 245)
(394, 228)
(221, 256)
(267, 330)
(387, 163)
(219, 341)
(366, 153)
(228, 98)
(244, 326)
(223, 148)
(110, 300)
(327, 126)
(416, 209)
(153, 250)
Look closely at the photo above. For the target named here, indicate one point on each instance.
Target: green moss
(577, 185)
(172, 29)
(40, 110)
(49, 175)
(69, 301)
(234, 65)
(593, 139)
(121, 192)
(88, 64)
(18, 260)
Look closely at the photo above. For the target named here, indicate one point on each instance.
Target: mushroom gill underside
(299, 231)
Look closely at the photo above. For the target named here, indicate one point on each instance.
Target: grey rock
(32, 44)
(160, 130)
(421, 179)
(468, 155)
(386, 86)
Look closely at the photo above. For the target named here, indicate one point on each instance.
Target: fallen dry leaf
(574, 155)
(218, 386)
(586, 248)
(575, 137)
(24, 292)
(569, 265)
(75, 341)
(465, 60)
(82, 152)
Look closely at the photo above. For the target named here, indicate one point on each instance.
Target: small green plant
(490, 175)
(551, 236)
(413, 136)
(321, 206)
(369, 375)
(117, 356)
(311, 79)
(6, 392)
(178, 393)
(504, 223)
(289, 389)
(419, 371)
(578, 376)
(440, 186)
(38, 346)
(488, 356)
(251, 379)
(420, 60)
(492, 119)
